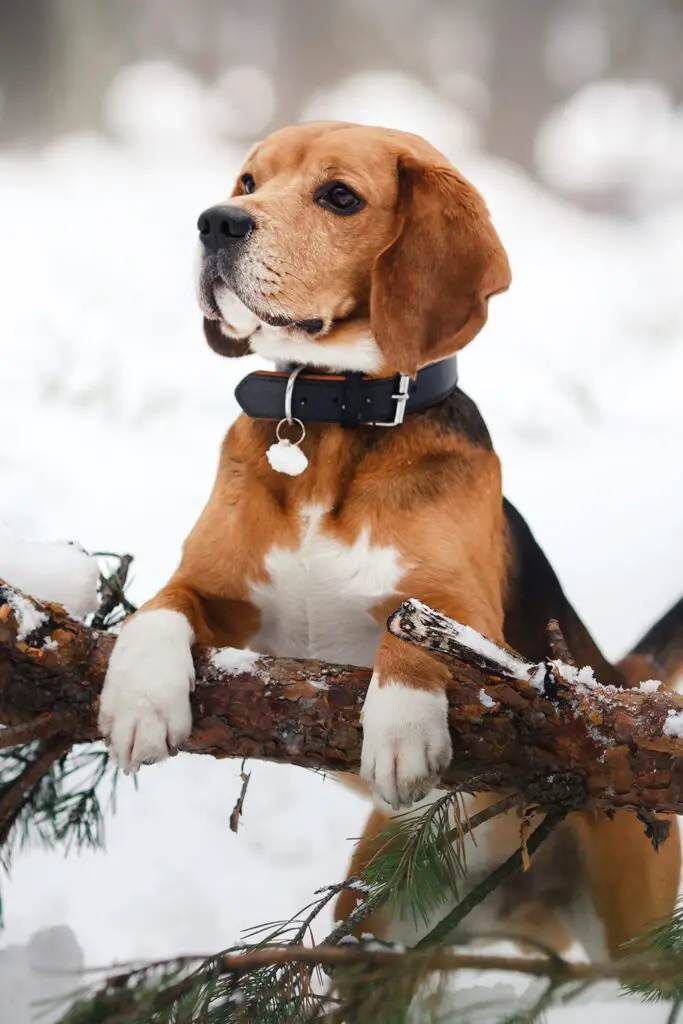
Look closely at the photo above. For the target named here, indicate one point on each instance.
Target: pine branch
(43, 726)
(387, 965)
(15, 794)
(238, 809)
(445, 928)
(44, 791)
(114, 604)
(271, 982)
(553, 735)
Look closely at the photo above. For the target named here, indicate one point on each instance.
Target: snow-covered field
(113, 409)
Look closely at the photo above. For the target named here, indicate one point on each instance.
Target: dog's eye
(339, 198)
(248, 184)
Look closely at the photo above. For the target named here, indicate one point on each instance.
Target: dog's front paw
(406, 743)
(145, 702)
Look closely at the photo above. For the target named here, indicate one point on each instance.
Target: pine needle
(415, 863)
(666, 938)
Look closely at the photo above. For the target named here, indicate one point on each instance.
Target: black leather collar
(349, 398)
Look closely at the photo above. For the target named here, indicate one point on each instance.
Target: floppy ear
(431, 285)
(220, 343)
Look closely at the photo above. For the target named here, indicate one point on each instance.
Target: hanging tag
(286, 456)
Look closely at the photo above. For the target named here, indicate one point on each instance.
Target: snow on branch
(549, 731)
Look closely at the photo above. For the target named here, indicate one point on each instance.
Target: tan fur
(250, 507)
(364, 851)
(416, 267)
(633, 887)
(374, 270)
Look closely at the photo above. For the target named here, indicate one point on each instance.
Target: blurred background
(120, 120)
(584, 95)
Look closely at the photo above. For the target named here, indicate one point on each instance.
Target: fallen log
(548, 730)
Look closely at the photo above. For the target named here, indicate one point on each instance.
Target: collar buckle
(401, 399)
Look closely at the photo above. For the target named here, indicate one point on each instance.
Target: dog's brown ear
(224, 346)
(431, 285)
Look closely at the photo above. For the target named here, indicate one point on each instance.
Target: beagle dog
(360, 262)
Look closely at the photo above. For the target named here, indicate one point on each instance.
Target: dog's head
(350, 248)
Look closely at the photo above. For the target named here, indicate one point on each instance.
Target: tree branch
(547, 731)
(659, 969)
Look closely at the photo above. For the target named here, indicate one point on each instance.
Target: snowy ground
(113, 410)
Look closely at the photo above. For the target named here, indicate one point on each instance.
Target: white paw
(145, 702)
(406, 743)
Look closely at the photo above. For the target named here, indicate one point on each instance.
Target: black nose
(221, 226)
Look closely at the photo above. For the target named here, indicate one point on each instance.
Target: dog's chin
(228, 323)
(233, 329)
(341, 351)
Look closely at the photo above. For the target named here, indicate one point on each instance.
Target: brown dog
(362, 252)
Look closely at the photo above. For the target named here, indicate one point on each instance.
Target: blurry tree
(521, 90)
(509, 62)
(25, 33)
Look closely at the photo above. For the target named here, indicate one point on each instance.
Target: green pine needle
(415, 863)
(67, 806)
(665, 938)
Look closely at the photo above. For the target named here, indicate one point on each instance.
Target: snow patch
(486, 648)
(537, 677)
(235, 661)
(481, 645)
(581, 677)
(39, 978)
(358, 885)
(51, 571)
(650, 686)
(488, 702)
(29, 618)
(673, 726)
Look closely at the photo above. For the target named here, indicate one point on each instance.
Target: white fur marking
(145, 702)
(406, 743)
(289, 345)
(239, 320)
(318, 599)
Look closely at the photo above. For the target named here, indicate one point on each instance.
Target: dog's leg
(628, 885)
(145, 701)
(406, 742)
(363, 852)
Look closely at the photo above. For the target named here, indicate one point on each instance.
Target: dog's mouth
(237, 310)
(239, 320)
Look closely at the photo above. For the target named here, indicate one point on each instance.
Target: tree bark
(537, 729)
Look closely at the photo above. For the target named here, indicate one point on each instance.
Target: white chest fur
(317, 601)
